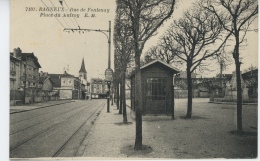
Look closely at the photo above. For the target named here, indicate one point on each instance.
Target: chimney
(18, 52)
(14, 52)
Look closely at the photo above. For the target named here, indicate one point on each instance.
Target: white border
(4, 81)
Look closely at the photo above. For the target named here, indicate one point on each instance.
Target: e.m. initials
(90, 15)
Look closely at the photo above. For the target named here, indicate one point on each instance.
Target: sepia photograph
(133, 79)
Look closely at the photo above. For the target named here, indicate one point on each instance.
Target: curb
(40, 107)
(232, 103)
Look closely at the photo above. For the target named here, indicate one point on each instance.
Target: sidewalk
(32, 106)
(108, 136)
(207, 135)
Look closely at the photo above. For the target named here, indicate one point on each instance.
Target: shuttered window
(155, 88)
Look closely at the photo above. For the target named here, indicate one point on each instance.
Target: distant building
(251, 81)
(201, 87)
(98, 88)
(183, 74)
(68, 86)
(45, 83)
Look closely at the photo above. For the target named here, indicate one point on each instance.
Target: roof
(23, 57)
(249, 73)
(158, 61)
(229, 76)
(44, 78)
(162, 62)
(14, 58)
(83, 69)
(31, 55)
(67, 75)
(56, 80)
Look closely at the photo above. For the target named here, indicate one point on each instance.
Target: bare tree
(146, 16)
(235, 16)
(124, 48)
(195, 38)
(161, 52)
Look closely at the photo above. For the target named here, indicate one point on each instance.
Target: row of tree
(202, 33)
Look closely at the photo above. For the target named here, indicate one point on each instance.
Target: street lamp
(108, 79)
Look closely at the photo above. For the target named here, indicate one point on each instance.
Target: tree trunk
(239, 89)
(120, 100)
(138, 104)
(239, 99)
(117, 95)
(123, 97)
(189, 81)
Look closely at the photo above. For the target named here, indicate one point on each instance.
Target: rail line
(46, 120)
(41, 132)
(11, 113)
(64, 145)
(36, 116)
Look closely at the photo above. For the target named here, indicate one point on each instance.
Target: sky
(33, 31)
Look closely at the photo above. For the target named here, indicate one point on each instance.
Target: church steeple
(82, 71)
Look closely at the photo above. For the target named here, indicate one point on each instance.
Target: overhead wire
(77, 25)
(70, 12)
(62, 17)
(54, 16)
(70, 17)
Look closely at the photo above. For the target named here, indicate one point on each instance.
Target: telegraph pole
(109, 71)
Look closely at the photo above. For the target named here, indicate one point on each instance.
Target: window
(24, 69)
(12, 66)
(155, 88)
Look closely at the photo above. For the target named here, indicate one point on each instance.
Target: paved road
(55, 131)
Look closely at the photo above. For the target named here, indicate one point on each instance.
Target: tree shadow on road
(193, 117)
(130, 151)
(244, 133)
(121, 123)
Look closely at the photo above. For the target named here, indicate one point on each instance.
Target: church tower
(82, 71)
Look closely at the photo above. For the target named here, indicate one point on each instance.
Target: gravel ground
(207, 135)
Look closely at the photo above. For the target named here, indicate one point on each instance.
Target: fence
(31, 96)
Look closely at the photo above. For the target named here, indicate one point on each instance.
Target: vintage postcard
(121, 79)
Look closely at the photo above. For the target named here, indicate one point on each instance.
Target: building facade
(98, 88)
(67, 86)
(24, 76)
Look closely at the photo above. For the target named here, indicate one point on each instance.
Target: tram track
(59, 108)
(70, 138)
(21, 111)
(12, 148)
(46, 119)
